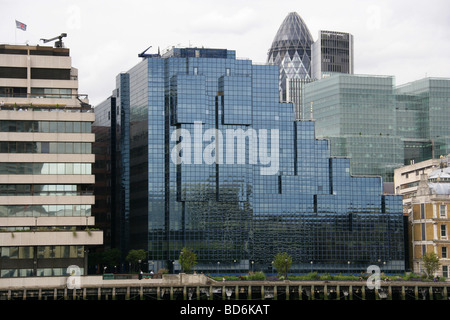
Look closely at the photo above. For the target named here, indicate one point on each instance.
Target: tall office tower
(211, 160)
(291, 51)
(46, 181)
(332, 52)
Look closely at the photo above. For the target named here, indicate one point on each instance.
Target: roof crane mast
(59, 43)
(144, 55)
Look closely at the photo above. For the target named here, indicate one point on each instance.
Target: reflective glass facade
(379, 126)
(428, 111)
(218, 164)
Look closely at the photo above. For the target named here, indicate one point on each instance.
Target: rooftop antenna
(144, 55)
(59, 43)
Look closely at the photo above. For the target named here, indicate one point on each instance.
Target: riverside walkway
(200, 287)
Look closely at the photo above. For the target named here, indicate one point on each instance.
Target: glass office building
(381, 127)
(217, 164)
(425, 114)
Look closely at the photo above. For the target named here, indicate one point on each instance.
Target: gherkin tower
(291, 51)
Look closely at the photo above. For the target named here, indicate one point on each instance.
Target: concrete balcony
(37, 222)
(37, 113)
(50, 238)
(48, 157)
(50, 137)
(48, 179)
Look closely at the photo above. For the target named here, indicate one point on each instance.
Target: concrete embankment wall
(200, 287)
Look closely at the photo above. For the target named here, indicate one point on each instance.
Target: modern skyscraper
(301, 60)
(46, 179)
(211, 160)
(332, 52)
(291, 51)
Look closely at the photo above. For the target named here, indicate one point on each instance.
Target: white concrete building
(46, 180)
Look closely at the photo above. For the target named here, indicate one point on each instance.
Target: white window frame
(443, 213)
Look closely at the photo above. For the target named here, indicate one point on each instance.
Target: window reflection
(45, 126)
(68, 210)
(45, 147)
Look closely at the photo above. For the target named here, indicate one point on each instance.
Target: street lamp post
(311, 266)
(285, 268)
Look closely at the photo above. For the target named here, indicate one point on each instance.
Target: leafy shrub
(259, 275)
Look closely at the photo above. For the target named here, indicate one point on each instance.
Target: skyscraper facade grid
(380, 126)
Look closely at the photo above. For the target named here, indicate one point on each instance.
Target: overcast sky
(408, 39)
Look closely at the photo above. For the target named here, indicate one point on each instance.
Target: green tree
(134, 255)
(111, 257)
(282, 263)
(188, 259)
(431, 263)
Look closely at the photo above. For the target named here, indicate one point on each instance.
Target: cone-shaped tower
(291, 51)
